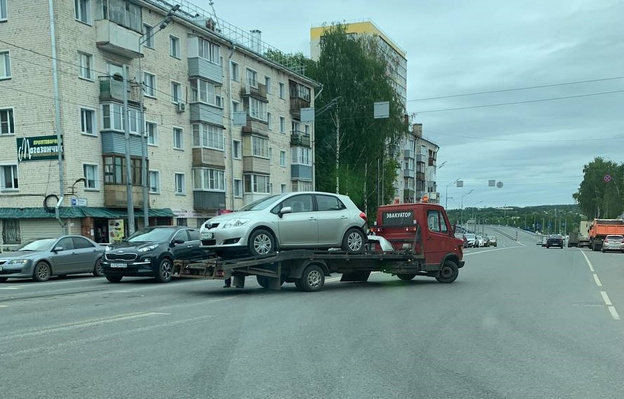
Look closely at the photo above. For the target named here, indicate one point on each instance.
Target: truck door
(436, 237)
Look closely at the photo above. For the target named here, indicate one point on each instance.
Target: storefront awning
(79, 212)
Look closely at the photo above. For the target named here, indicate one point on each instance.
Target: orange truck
(600, 228)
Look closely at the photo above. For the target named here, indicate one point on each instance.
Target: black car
(151, 252)
(554, 240)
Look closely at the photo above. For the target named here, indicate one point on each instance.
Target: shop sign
(37, 148)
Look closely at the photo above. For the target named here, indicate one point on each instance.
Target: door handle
(343, 217)
(312, 218)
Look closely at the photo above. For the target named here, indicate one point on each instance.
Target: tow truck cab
(420, 227)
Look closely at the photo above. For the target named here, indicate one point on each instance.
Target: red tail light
(363, 216)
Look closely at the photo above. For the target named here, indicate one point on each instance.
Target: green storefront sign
(37, 148)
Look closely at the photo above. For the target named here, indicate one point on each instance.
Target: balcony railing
(112, 90)
(298, 138)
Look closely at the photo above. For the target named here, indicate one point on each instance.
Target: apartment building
(206, 120)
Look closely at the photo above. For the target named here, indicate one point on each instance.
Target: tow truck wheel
(263, 281)
(448, 273)
(354, 241)
(165, 271)
(261, 243)
(406, 277)
(312, 279)
(114, 279)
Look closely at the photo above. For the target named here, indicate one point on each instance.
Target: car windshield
(262, 203)
(615, 237)
(157, 234)
(38, 245)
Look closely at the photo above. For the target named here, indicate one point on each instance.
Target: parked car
(492, 242)
(290, 221)
(470, 239)
(482, 241)
(462, 237)
(40, 259)
(613, 243)
(151, 252)
(554, 240)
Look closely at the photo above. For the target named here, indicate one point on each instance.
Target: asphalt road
(521, 321)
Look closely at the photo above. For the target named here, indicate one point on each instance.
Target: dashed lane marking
(606, 299)
(597, 280)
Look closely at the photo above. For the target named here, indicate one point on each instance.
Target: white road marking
(614, 313)
(488, 250)
(4, 306)
(597, 280)
(605, 298)
(10, 288)
(591, 267)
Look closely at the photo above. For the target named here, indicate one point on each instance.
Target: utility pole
(126, 122)
(337, 153)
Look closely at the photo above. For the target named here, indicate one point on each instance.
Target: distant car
(482, 241)
(299, 220)
(613, 243)
(544, 240)
(471, 239)
(462, 237)
(492, 241)
(151, 252)
(40, 259)
(554, 240)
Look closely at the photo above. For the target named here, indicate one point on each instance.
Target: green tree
(596, 196)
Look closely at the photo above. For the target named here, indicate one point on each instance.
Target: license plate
(207, 236)
(118, 265)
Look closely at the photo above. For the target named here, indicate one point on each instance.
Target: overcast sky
(537, 149)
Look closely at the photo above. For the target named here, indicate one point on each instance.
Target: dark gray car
(40, 259)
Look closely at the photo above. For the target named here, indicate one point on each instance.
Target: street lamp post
(461, 212)
(446, 192)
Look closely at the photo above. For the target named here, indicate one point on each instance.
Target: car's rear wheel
(261, 243)
(42, 271)
(114, 279)
(312, 279)
(3, 279)
(165, 271)
(354, 241)
(98, 269)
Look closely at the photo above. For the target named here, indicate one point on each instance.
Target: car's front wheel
(164, 273)
(98, 270)
(42, 271)
(261, 243)
(114, 279)
(353, 241)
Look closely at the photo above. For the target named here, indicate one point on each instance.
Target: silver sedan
(46, 257)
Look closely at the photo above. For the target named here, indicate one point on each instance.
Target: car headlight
(108, 248)
(22, 262)
(235, 223)
(148, 248)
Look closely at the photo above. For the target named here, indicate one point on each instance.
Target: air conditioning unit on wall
(180, 107)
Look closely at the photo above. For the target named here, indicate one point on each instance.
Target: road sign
(78, 202)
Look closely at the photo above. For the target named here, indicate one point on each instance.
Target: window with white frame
(148, 34)
(8, 177)
(87, 121)
(282, 126)
(257, 184)
(83, 11)
(299, 185)
(235, 106)
(133, 117)
(282, 188)
(176, 92)
(121, 12)
(86, 65)
(257, 109)
(7, 126)
(151, 131)
(251, 77)
(112, 117)
(234, 71)
(174, 46)
(205, 179)
(178, 138)
(90, 174)
(179, 183)
(236, 149)
(5, 64)
(282, 89)
(154, 182)
(149, 84)
(259, 146)
(205, 92)
(295, 126)
(269, 121)
(3, 10)
(209, 51)
(238, 188)
(283, 158)
(208, 136)
(267, 83)
(301, 156)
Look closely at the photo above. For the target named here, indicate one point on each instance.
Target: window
(259, 147)
(6, 121)
(121, 12)
(283, 158)
(176, 92)
(174, 47)
(299, 203)
(281, 90)
(238, 188)
(154, 182)
(257, 184)
(282, 124)
(87, 121)
(435, 221)
(149, 84)
(11, 227)
(209, 51)
(234, 71)
(301, 186)
(3, 11)
(282, 188)
(86, 65)
(328, 203)
(269, 121)
(148, 33)
(257, 109)
(90, 175)
(8, 177)
(83, 11)
(301, 155)
(235, 106)
(208, 179)
(115, 170)
(178, 138)
(267, 83)
(295, 126)
(251, 77)
(307, 130)
(5, 64)
(112, 117)
(182, 222)
(179, 183)
(208, 136)
(152, 133)
(133, 117)
(236, 149)
(205, 92)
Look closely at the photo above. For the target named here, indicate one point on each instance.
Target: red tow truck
(407, 240)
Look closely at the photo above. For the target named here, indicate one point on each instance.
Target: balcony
(258, 165)
(256, 90)
(410, 173)
(202, 68)
(202, 112)
(300, 139)
(301, 172)
(113, 90)
(420, 158)
(116, 39)
(116, 196)
(432, 161)
(256, 126)
(208, 157)
(420, 176)
(408, 154)
(300, 97)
